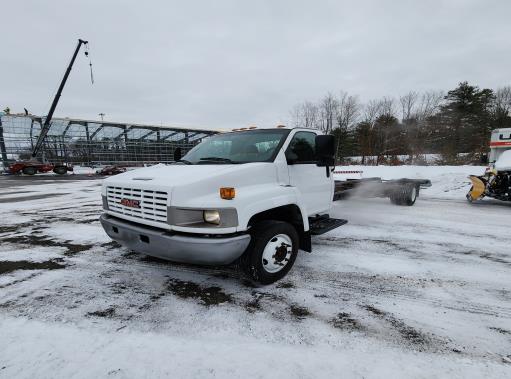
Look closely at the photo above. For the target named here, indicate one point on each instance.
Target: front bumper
(175, 247)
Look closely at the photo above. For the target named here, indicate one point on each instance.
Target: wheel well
(288, 213)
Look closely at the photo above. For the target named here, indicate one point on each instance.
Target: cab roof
(278, 126)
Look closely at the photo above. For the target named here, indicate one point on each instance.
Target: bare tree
(503, 101)
(371, 111)
(381, 123)
(305, 115)
(408, 102)
(348, 111)
(387, 107)
(328, 109)
(428, 104)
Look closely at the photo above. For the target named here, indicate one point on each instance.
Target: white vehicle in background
(496, 181)
(499, 143)
(253, 196)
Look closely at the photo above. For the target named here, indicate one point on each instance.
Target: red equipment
(111, 170)
(32, 168)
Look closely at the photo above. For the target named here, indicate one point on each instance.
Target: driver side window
(302, 148)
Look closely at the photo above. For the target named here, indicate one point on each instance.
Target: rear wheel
(29, 170)
(60, 170)
(406, 195)
(272, 251)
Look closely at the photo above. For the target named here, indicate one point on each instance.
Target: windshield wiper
(217, 159)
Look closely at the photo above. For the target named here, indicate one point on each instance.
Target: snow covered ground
(422, 291)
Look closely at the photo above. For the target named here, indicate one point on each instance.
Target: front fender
(264, 199)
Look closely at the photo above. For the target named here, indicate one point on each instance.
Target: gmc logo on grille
(130, 203)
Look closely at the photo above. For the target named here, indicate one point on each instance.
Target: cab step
(322, 224)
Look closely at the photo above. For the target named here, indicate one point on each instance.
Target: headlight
(212, 217)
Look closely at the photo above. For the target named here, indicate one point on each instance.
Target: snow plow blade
(477, 190)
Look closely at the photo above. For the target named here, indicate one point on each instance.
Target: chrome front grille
(152, 204)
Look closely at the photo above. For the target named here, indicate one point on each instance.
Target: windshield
(240, 147)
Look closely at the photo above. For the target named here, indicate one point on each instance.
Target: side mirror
(325, 150)
(177, 154)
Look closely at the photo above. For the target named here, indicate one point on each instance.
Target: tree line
(456, 125)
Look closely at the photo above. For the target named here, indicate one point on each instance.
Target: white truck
(253, 196)
(496, 181)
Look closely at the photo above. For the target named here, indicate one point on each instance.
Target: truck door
(315, 187)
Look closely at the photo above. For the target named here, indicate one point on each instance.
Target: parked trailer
(399, 191)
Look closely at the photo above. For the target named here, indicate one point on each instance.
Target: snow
(40, 254)
(82, 233)
(420, 291)
(83, 170)
(136, 354)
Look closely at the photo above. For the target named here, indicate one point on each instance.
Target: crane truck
(33, 166)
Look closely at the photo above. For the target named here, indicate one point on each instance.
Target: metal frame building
(86, 142)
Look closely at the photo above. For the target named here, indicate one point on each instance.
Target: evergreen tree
(466, 121)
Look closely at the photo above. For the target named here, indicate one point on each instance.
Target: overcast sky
(224, 64)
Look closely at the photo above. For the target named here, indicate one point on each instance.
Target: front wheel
(272, 251)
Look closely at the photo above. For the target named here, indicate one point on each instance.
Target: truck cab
(253, 196)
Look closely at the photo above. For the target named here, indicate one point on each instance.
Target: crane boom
(47, 121)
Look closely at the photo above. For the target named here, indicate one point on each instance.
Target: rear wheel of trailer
(405, 195)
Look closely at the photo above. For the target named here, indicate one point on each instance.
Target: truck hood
(166, 177)
(169, 175)
(504, 161)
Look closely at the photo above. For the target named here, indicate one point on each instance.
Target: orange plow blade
(477, 190)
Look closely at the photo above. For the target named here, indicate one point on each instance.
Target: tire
(60, 170)
(407, 195)
(270, 237)
(29, 170)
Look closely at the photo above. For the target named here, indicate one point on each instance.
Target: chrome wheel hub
(277, 253)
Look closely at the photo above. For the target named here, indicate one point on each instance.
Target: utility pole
(3, 150)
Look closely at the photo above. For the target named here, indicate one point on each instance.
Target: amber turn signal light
(227, 193)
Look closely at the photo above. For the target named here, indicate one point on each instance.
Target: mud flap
(477, 190)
